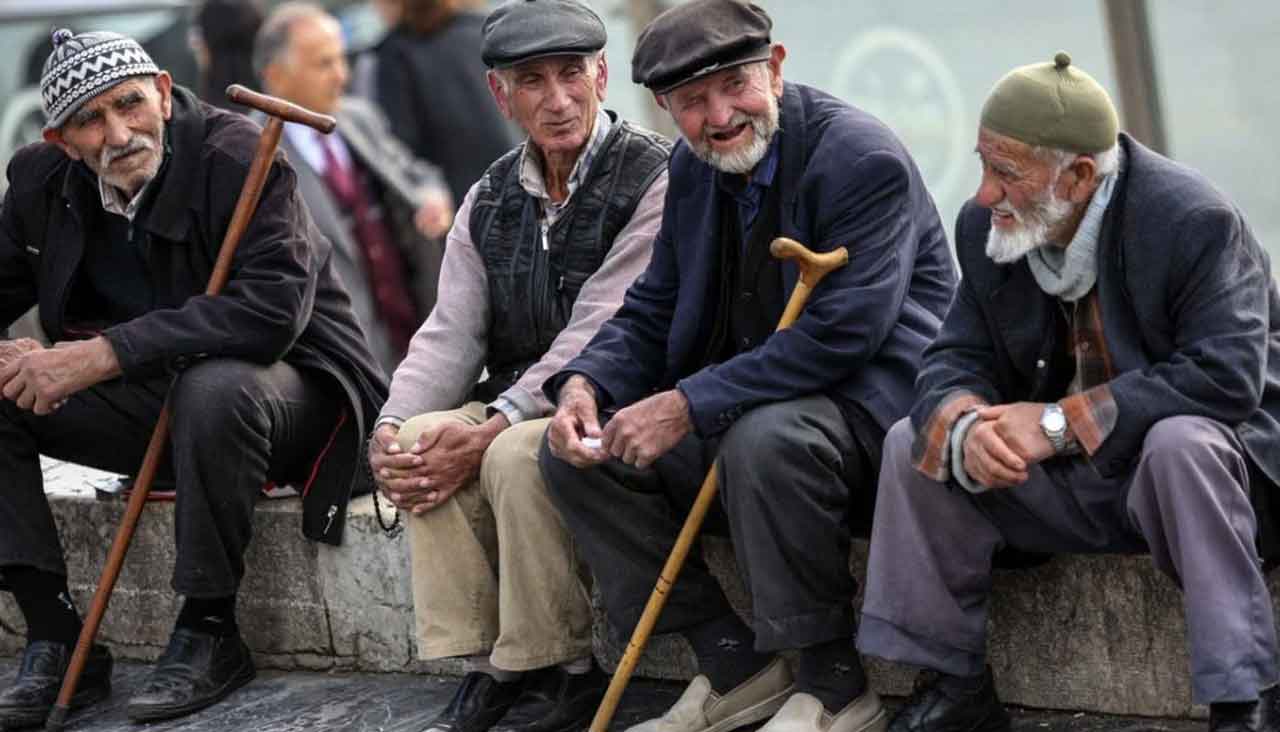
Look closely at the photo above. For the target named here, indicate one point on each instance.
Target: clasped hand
(40, 379)
(1004, 443)
(444, 459)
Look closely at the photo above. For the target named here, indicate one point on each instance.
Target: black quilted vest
(532, 288)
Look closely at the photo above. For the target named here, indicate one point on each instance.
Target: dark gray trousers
(234, 426)
(792, 482)
(1187, 502)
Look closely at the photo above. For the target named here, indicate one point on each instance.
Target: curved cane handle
(277, 107)
(813, 266)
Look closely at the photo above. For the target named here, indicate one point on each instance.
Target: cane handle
(276, 107)
(813, 265)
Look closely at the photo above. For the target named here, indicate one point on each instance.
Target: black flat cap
(527, 29)
(698, 38)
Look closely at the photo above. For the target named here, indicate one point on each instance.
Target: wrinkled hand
(450, 456)
(1018, 425)
(387, 459)
(646, 430)
(9, 350)
(989, 460)
(42, 379)
(576, 417)
(435, 216)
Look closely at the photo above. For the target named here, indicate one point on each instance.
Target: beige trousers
(494, 569)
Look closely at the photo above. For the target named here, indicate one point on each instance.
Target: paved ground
(292, 702)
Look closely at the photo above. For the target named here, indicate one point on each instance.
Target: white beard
(1032, 228)
(743, 160)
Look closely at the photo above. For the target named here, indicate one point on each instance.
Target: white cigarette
(594, 443)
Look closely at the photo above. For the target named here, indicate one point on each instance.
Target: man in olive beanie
(1107, 380)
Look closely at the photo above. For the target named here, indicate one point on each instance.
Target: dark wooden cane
(278, 111)
(813, 267)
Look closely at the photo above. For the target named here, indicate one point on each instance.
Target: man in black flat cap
(540, 254)
(794, 419)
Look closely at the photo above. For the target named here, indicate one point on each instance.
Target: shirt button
(746, 342)
(1040, 363)
(1084, 347)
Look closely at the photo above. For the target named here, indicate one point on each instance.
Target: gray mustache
(137, 143)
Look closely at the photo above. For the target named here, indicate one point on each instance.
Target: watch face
(1053, 421)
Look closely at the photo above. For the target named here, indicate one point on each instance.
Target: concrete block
(1102, 634)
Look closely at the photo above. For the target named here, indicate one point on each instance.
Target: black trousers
(235, 425)
(793, 484)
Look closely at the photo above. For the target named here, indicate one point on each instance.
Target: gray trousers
(792, 483)
(1187, 502)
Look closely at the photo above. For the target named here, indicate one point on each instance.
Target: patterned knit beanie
(83, 66)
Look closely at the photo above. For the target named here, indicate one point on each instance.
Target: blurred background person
(430, 81)
(222, 41)
(384, 210)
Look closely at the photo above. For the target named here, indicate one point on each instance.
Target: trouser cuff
(807, 629)
(880, 638)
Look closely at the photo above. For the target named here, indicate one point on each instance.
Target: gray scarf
(1070, 273)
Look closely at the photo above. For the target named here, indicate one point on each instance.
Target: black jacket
(433, 89)
(281, 303)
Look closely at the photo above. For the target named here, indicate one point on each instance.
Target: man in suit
(1107, 380)
(794, 419)
(384, 210)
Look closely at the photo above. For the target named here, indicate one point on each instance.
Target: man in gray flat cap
(112, 227)
(1107, 380)
(792, 420)
(540, 254)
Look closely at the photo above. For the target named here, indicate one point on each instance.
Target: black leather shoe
(477, 705)
(941, 703)
(1260, 716)
(44, 663)
(196, 670)
(557, 701)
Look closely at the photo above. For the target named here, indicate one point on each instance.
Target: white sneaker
(700, 709)
(805, 713)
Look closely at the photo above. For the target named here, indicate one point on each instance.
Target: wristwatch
(1054, 425)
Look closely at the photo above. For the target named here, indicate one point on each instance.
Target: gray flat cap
(523, 30)
(698, 38)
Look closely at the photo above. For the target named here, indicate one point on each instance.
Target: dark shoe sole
(23, 718)
(156, 713)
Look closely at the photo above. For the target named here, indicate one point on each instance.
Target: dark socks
(45, 603)
(725, 648)
(213, 615)
(832, 672)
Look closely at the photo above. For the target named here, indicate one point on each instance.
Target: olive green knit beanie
(1052, 105)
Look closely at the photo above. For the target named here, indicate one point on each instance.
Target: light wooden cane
(813, 267)
(278, 111)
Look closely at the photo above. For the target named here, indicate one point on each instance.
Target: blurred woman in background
(222, 40)
(430, 81)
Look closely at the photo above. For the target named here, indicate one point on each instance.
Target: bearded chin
(1030, 231)
(744, 159)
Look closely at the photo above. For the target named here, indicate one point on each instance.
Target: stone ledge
(1101, 634)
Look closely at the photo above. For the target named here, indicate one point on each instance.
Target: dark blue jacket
(1190, 317)
(846, 181)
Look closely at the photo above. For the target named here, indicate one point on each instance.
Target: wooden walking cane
(278, 111)
(813, 267)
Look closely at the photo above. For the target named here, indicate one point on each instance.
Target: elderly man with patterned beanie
(690, 376)
(111, 227)
(540, 254)
(1107, 380)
